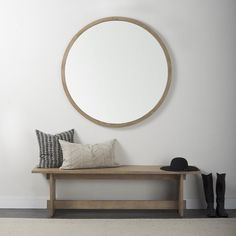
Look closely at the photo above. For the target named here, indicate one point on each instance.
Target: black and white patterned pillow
(50, 151)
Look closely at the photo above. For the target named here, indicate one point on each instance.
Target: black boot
(220, 196)
(209, 194)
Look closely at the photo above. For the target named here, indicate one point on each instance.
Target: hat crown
(179, 164)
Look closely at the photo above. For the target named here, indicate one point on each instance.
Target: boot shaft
(208, 187)
(220, 188)
(209, 194)
(220, 195)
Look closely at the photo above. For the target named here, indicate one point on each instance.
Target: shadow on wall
(76, 137)
(120, 154)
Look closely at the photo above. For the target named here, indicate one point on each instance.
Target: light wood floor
(104, 214)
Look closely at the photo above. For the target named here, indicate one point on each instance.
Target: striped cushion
(49, 148)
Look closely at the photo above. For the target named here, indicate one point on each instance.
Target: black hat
(179, 164)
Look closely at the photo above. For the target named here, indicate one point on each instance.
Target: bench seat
(120, 172)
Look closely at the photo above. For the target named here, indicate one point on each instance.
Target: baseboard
(41, 203)
(230, 203)
(23, 202)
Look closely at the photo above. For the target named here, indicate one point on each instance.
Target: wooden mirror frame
(145, 27)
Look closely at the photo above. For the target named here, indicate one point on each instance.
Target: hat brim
(169, 168)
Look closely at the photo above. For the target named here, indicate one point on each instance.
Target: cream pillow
(77, 155)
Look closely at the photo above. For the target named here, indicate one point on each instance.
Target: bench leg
(181, 195)
(52, 188)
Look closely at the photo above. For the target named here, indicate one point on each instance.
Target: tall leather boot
(220, 196)
(209, 194)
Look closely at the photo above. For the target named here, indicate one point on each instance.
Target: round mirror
(116, 71)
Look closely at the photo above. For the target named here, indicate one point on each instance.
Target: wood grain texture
(115, 204)
(121, 170)
(118, 176)
(52, 186)
(181, 195)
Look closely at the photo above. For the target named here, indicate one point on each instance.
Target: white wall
(197, 120)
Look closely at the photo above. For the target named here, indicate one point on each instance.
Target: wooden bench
(121, 172)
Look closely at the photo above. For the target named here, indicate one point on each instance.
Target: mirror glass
(116, 72)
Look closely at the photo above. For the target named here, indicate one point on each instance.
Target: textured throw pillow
(49, 148)
(88, 156)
